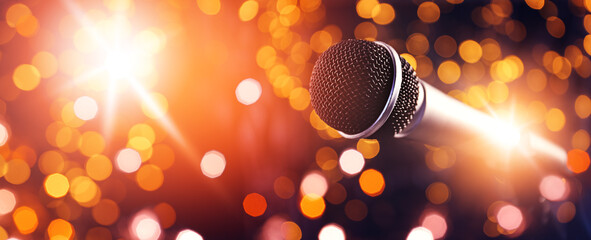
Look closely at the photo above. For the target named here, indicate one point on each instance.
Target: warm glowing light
(320, 41)
(3, 135)
(60, 229)
(419, 233)
(85, 108)
(291, 230)
(150, 177)
(437, 193)
(254, 204)
(566, 212)
(331, 232)
(84, 190)
(555, 119)
(578, 161)
(26, 77)
(120, 65)
(188, 234)
(128, 160)
(509, 217)
(535, 4)
(553, 188)
(209, 7)
(369, 148)
(266, 57)
(555, 26)
(16, 13)
(106, 212)
(366, 31)
(583, 106)
(581, 140)
(417, 44)
(365, 8)
(351, 162)
(213, 164)
(470, 51)
(356, 210)
(449, 72)
(505, 134)
(383, 14)
(410, 59)
(165, 214)
(436, 224)
(445, 46)
(51, 162)
(144, 226)
(536, 80)
(99, 167)
(248, 10)
(312, 206)
(56, 185)
(7, 201)
(372, 182)
(428, 12)
(248, 91)
(18, 171)
(284, 187)
(314, 183)
(25, 219)
(155, 106)
(46, 63)
(299, 99)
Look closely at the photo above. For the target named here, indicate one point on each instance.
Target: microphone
(365, 89)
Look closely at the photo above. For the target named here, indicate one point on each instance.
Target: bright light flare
(144, 226)
(436, 224)
(331, 232)
(85, 108)
(213, 164)
(188, 234)
(7, 201)
(3, 135)
(248, 91)
(509, 217)
(553, 188)
(128, 160)
(420, 233)
(121, 64)
(351, 162)
(314, 183)
(505, 134)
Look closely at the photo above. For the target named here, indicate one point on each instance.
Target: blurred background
(191, 119)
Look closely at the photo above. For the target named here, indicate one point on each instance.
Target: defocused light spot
(536, 111)
(118, 5)
(331, 232)
(91, 143)
(320, 41)
(209, 7)
(553, 188)
(51, 162)
(419, 233)
(299, 99)
(106, 212)
(410, 59)
(26, 77)
(438, 159)
(383, 13)
(248, 91)
(25, 220)
(149, 177)
(578, 161)
(583, 106)
(497, 91)
(16, 12)
(85, 108)
(289, 15)
(98, 233)
(536, 80)
(128, 160)
(142, 145)
(566, 212)
(356, 210)
(18, 171)
(366, 31)
(470, 51)
(248, 10)
(449, 72)
(60, 229)
(535, 4)
(3, 233)
(162, 156)
(351, 162)
(46, 63)
(555, 119)
(372, 182)
(149, 41)
(312, 206)
(188, 234)
(424, 66)
(83, 189)
(445, 46)
(437, 193)
(436, 224)
(3, 135)
(336, 194)
(581, 140)
(365, 8)
(291, 231)
(314, 183)
(99, 167)
(509, 217)
(491, 50)
(417, 44)
(254, 204)
(156, 107)
(165, 214)
(555, 26)
(56, 185)
(490, 229)
(7, 201)
(145, 227)
(369, 148)
(266, 57)
(213, 164)
(283, 187)
(428, 12)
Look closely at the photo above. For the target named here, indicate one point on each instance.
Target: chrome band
(387, 111)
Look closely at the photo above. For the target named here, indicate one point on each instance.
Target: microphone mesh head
(351, 83)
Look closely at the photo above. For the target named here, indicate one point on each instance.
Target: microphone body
(344, 93)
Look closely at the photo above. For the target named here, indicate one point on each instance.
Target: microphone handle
(442, 120)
